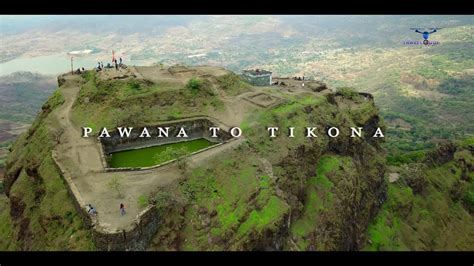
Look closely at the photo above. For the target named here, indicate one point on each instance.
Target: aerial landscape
(262, 132)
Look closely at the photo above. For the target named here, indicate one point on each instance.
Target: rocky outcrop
(317, 86)
(357, 199)
(443, 153)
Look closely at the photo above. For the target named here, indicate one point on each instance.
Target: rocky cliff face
(335, 188)
(290, 193)
(430, 206)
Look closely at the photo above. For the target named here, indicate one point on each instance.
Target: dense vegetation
(429, 208)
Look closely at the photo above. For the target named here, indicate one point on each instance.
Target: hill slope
(277, 193)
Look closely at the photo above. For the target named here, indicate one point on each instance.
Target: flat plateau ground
(80, 158)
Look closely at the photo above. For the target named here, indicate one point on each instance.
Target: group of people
(100, 66)
(117, 65)
(93, 212)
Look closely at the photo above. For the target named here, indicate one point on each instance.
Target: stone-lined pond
(150, 156)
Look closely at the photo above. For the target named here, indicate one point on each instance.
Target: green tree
(171, 153)
(194, 84)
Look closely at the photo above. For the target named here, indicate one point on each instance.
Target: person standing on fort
(120, 60)
(122, 209)
(116, 65)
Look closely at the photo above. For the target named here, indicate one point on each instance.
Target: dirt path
(73, 147)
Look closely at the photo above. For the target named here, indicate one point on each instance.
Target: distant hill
(21, 95)
(24, 77)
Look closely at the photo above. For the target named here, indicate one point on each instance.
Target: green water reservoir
(151, 156)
